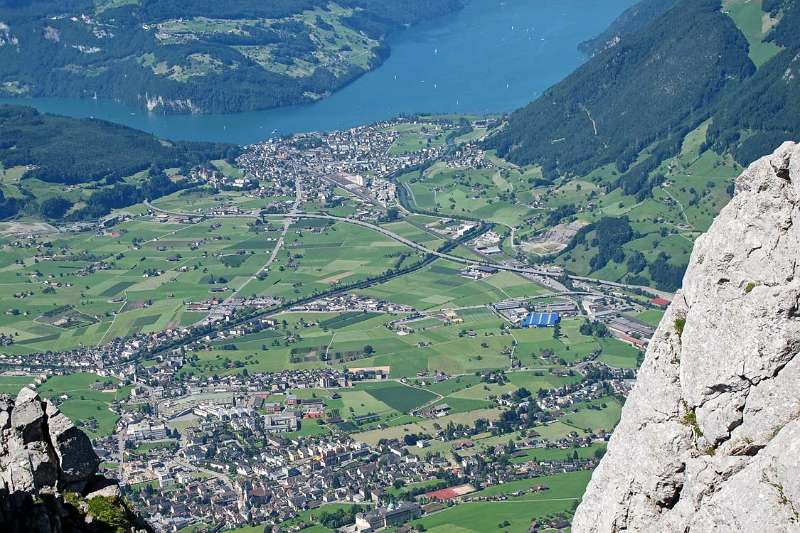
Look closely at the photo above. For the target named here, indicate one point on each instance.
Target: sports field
(515, 513)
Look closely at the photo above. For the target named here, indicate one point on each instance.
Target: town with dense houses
(356, 266)
(337, 436)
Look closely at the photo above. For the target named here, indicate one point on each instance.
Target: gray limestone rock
(6, 404)
(43, 455)
(27, 417)
(109, 491)
(42, 466)
(77, 459)
(42, 449)
(18, 472)
(709, 438)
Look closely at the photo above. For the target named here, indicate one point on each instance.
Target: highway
(420, 247)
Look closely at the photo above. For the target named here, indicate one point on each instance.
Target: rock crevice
(709, 438)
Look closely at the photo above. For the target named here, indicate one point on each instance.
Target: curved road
(419, 247)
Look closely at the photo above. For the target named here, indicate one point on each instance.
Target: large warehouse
(541, 320)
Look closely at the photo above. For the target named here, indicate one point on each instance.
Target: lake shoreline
(491, 57)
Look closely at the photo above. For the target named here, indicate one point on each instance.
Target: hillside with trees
(198, 56)
(764, 112)
(657, 122)
(653, 87)
(634, 19)
(68, 150)
(95, 155)
(658, 84)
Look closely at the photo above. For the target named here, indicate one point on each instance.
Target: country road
(298, 195)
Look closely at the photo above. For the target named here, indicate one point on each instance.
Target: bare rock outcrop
(48, 473)
(709, 438)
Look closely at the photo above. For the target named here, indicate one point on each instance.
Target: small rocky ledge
(48, 474)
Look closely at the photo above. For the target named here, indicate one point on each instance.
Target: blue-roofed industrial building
(541, 320)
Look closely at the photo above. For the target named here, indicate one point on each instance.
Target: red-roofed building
(450, 493)
(661, 302)
(633, 341)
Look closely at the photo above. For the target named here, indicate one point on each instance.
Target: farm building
(541, 320)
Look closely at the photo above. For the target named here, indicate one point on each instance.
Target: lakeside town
(238, 447)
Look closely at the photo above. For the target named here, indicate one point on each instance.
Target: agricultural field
(86, 398)
(651, 317)
(83, 289)
(418, 136)
(369, 405)
(440, 285)
(400, 397)
(416, 232)
(77, 289)
(617, 354)
(12, 384)
(595, 416)
(317, 256)
(316, 340)
(492, 194)
(372, 437)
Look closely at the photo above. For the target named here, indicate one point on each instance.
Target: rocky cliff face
(48, 474)
(710, 437)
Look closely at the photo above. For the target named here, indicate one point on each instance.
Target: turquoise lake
(492, 57)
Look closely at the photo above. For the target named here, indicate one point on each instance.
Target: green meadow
(515, 513)
(84, 397)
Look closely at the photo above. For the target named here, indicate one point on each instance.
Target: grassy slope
(755, 24)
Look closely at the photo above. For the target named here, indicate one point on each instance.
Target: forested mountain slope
(655, 85)
(763, 112)
(68, 150)
(658, 84)
(634, 19)
(198, 56)
(101, 165)
(641, 143)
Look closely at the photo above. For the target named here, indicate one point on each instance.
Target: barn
(541, 320)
